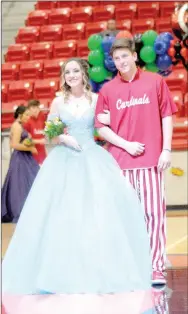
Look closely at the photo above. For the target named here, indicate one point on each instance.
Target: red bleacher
(56, 30)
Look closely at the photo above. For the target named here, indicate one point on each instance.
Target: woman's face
(73, 74)
(25, 116)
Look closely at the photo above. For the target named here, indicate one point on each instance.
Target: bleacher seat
(17, 52)
(64, 49)
(74, 31)
(177, 97)
(31, 70)
(59, 16)
(94, 28)
(126, 11)
(66, 4)
(44, 104)
(142, 25)
(167, 8)
(8, 109)
(37, 18)
(20, 90)
(177, 80)
(52, 68)
(87, 3)
(11, 106)
(124, 25)
(45, 88)
(10, 71)
(45, 5)
(186, 104)
(82, 14)
(28, 34)
(148, 9)
(4, 91)
(51, 32)
(102, 13)
(40, 51)
(82, 48)
(163, 25)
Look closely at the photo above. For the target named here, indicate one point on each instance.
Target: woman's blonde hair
(84, 66)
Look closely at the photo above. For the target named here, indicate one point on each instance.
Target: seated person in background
(35, 126)
(110, 29)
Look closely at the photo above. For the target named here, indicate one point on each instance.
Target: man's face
(34, 111)
(111, 25)
(124, 60)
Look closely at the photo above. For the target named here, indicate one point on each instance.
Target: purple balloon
(163, 62)
(160, 47)
(107, 43)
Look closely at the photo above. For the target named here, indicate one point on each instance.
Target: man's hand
(104, 118)
(134, 148)
(164, 160)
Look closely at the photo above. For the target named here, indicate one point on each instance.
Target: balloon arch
(156, 52)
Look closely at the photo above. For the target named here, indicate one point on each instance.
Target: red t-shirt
(35, 126)
(137, 109)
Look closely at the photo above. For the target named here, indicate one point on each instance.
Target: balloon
(164, 62)
(124, 34)
(100, 85)
(98, 74)
(165, 73)
(151, 67)
(94, 42)
(147, 54)
(107, 43)
(94, 86)
(109, 63)
(171, 52)
(96, 57)
(167, 37)
(184, 53)
(149, 37)
(160, 46)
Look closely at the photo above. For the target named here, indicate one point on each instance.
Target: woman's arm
(16, 132)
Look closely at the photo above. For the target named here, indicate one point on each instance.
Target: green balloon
(96, 57)
(94, 42)
(148, 38)
(151, 67)
(98, 74)
(147, 54)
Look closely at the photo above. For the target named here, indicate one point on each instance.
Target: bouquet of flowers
(54, 128)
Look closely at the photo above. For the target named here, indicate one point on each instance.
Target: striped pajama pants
(149, 185)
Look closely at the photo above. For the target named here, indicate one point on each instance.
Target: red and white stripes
(149, 185)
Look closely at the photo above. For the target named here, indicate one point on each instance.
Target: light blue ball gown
(82, 228)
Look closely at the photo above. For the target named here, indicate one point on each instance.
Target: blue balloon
(167, 36)
(107, 43)
(109, 63)
(94, 86)
(160, 46)
(163, 62)
(100, 85)
(165, 73)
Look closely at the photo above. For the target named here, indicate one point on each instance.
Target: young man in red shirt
(35, 126)
(140, 136)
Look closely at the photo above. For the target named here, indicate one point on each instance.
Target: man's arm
(167, 109)
(133, 148)
(111, 137)
(167, 128)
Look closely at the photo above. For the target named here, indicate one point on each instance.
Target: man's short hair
(33, 103)
(122, 43)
